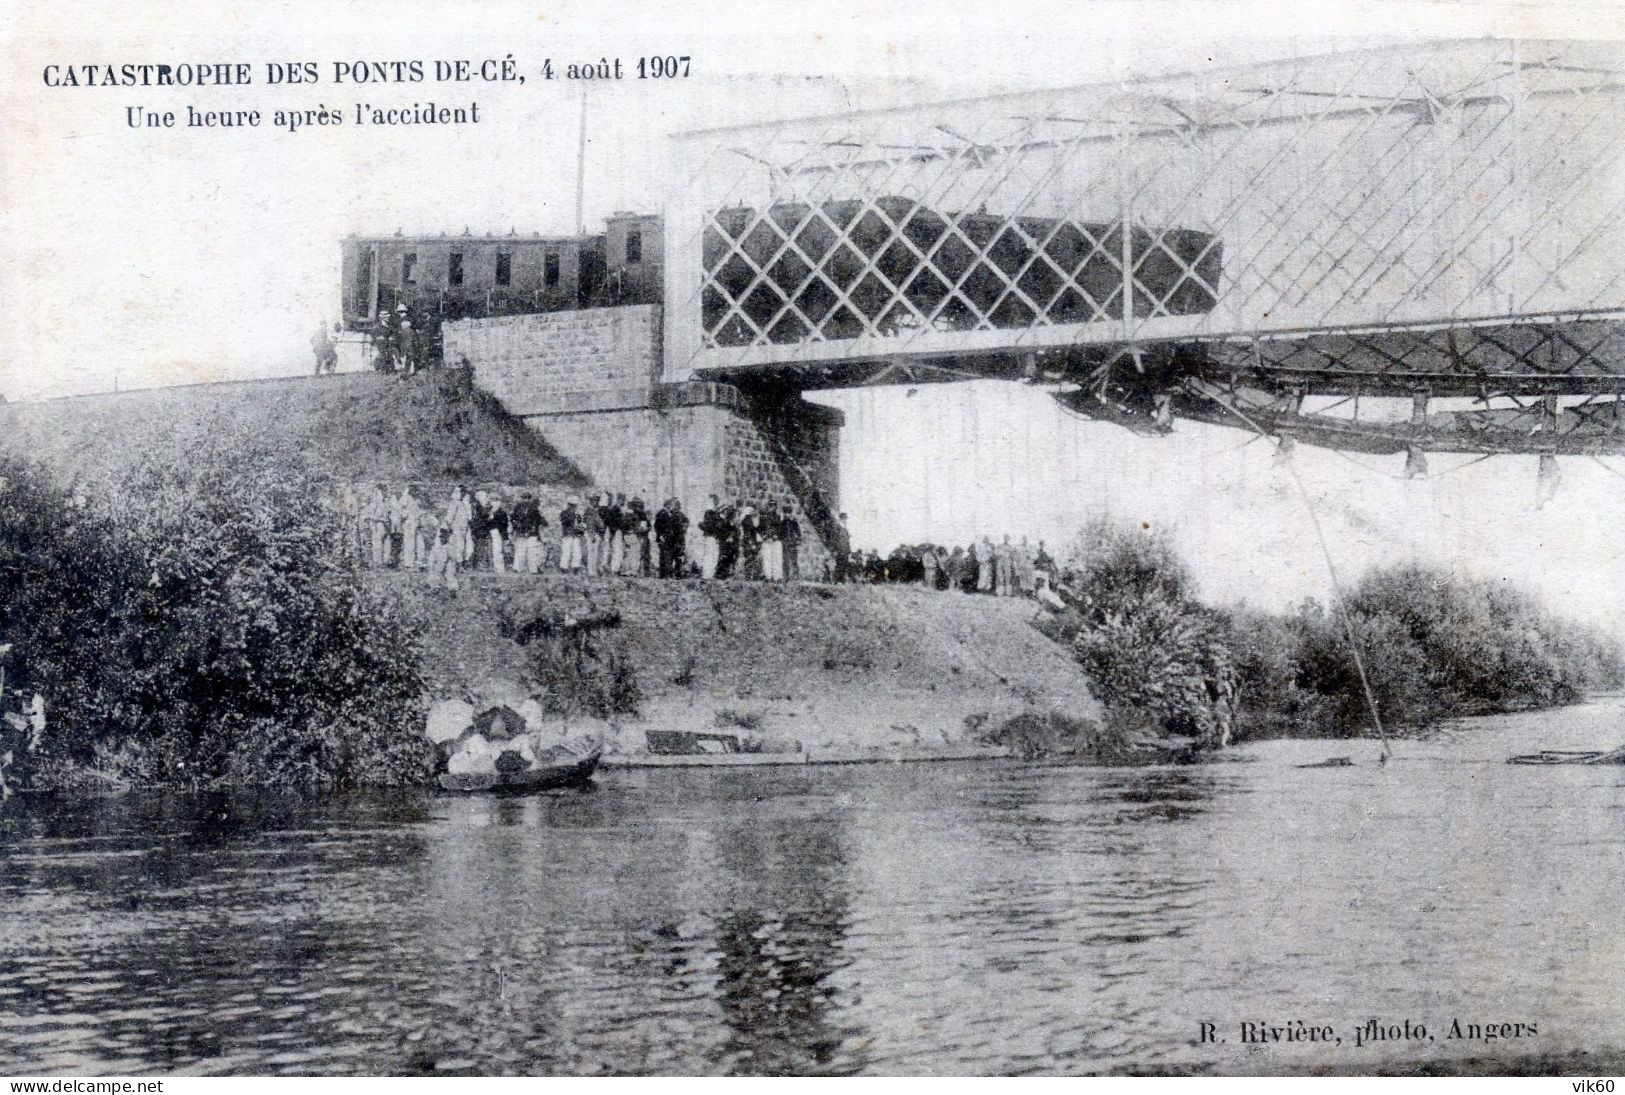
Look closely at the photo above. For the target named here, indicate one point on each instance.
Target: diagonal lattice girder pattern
(1437, 186)
(1528, 357)
(1591, 426)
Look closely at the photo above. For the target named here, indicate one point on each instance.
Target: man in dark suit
(671, 534)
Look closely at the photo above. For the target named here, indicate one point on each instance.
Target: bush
(1434, 645)
(203, 624)
(1271, 699)
(1396, 666)
(584, 671)
(1031, 736)
(743, 720)
(1143, 640)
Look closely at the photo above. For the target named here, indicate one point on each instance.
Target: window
(634, 246)
(504, 268)
(409, 264)
(363, 279)
(454, 272)
(550, 269)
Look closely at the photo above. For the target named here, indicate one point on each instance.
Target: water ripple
(933, 919)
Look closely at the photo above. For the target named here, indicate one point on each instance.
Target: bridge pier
(590, 382)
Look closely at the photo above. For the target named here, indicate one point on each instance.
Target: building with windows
(469, 275)
(439, 278)
(635, 257)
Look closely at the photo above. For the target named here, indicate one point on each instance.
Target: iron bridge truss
(1282, 246)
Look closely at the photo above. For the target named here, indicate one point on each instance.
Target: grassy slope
(811, 667)
(361, 427)
(814, 667)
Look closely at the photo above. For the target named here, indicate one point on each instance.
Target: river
(925, 918)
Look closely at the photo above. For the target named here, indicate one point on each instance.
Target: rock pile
(502, 732)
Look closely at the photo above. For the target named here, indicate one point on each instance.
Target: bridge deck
(1446, 215)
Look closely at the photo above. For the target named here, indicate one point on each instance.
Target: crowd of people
(503, 531)
(1002, 569)
(403, 341)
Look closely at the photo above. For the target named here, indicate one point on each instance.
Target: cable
(1331, 569)
(1390, 475)
(1606, 468)
(1233, 448)
(1342, 609)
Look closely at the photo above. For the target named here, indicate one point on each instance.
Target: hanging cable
(1331, 570)
(1407, 478)
(1606, 468)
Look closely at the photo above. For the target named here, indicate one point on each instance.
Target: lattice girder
(1477, 184)
(1529, 358)
(1594, 426)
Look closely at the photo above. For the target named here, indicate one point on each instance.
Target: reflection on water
(920, 918)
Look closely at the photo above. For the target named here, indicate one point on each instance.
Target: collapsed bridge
(1288, 247)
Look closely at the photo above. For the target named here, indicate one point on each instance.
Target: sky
(142, 257)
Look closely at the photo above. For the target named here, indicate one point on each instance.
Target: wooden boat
(1330, 762)
(1571, 756)
(558, 767)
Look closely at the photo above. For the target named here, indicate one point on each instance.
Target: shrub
(203, 624)
(584, 671)
(1143, 640)
(1031, 735)
(1271, 699)
(1434, 644)
(744, 720)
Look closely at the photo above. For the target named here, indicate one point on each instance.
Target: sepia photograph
(813, 540)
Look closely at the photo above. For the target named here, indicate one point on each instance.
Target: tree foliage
(1146, 644)
(203, 623)
(1434, 644)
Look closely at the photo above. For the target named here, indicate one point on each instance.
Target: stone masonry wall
(594, 359)
(589, 381)
(653, 453)
(694, 452)
(789, 456)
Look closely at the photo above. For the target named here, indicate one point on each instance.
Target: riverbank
(837, 672)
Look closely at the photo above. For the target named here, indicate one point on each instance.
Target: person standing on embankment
(841, 549)
(403, 522)
(595, 538)
(497, 520)
(984, 565)
(727, 541)
(790, 537)
(772, 545)
(457, 517)
(711, 527)
(572, 536)
(671, 533)
(445, 558)
(327, 355)
(637, 529)
(375, 518)
(525, 525)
